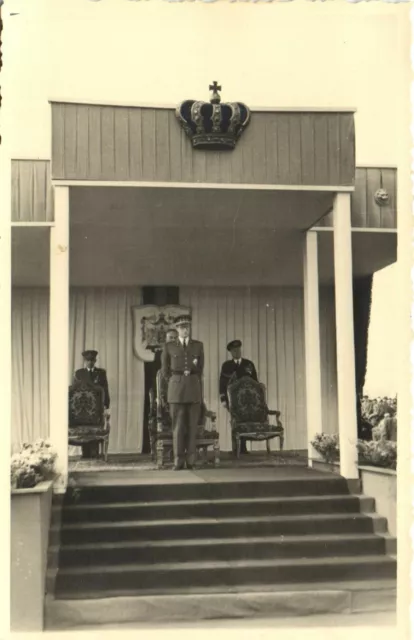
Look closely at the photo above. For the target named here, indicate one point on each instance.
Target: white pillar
(59, 334)
(345, 348)
(312, 340)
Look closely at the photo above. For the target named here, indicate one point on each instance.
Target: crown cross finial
(215, 88)
(213, 125)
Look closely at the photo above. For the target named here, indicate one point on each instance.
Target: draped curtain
(268, 320)
(270, 323)
(362, 292)
(100, 319)
(30, 365)
(362, 297)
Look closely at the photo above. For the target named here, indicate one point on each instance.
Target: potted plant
(34, 463)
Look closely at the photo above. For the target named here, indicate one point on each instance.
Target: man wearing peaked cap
(182, 363)
(95, 375)
(240, 367)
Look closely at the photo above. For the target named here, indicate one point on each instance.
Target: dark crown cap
(234, 344)
(184, 319)
(89, 353)
(213, 125)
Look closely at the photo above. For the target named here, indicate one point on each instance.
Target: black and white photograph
(205, 248)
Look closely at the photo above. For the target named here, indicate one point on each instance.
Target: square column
(59, 335)
(312, 340)
(345, 347)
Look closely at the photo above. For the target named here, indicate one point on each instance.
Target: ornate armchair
(88, 420)
(249, 413)
(160, 427)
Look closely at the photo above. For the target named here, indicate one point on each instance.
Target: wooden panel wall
(32, 198)
(144, 144)
(365, 213)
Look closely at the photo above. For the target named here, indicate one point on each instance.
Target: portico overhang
(135, 204)
(166, 236)
(133, 234)
(146, 144)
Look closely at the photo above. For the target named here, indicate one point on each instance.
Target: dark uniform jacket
(96, 376)
(245, 368)
(183, 367)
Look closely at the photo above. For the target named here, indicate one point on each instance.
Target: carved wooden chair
(88, 420)
(249, 413)
(160, 427)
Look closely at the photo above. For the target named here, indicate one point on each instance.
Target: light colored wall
(383, 337)
(296, 54)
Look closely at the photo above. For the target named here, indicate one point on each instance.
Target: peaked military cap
(89, 353)
(234, 344)
(182, 320)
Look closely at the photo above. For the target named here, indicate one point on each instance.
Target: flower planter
(381, 484)
(30, 523)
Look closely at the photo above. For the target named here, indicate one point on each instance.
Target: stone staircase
(191, 550)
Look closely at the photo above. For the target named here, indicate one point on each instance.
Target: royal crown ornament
(213, 125)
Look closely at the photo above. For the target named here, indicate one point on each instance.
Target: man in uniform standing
(182, 364)
(94, 375)
(239, 367)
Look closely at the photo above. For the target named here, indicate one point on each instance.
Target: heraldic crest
(151, 324)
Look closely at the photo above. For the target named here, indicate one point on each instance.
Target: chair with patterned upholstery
(88, 420)
(249, 413)
(160, 427)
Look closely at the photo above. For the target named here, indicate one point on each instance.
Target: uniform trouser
(90, 450)
(185, 417)
(243, 446)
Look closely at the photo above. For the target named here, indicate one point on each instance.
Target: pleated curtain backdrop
(100, 319)
(270, 323)
(30, 365)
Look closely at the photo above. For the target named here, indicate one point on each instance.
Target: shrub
(33, 464)
(376, 453)
(327, 445)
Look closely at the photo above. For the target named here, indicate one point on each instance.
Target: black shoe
(190, 466)
(177, 467)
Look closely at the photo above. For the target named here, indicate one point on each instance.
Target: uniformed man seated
(183, 364)
(93, 374)
(240, 367)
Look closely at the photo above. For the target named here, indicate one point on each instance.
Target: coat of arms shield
(151, 324)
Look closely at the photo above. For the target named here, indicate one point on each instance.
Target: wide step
(260, 601)
(139, 578)
(220, 549)
(173, 510)
(224, 528)
(104, 494)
